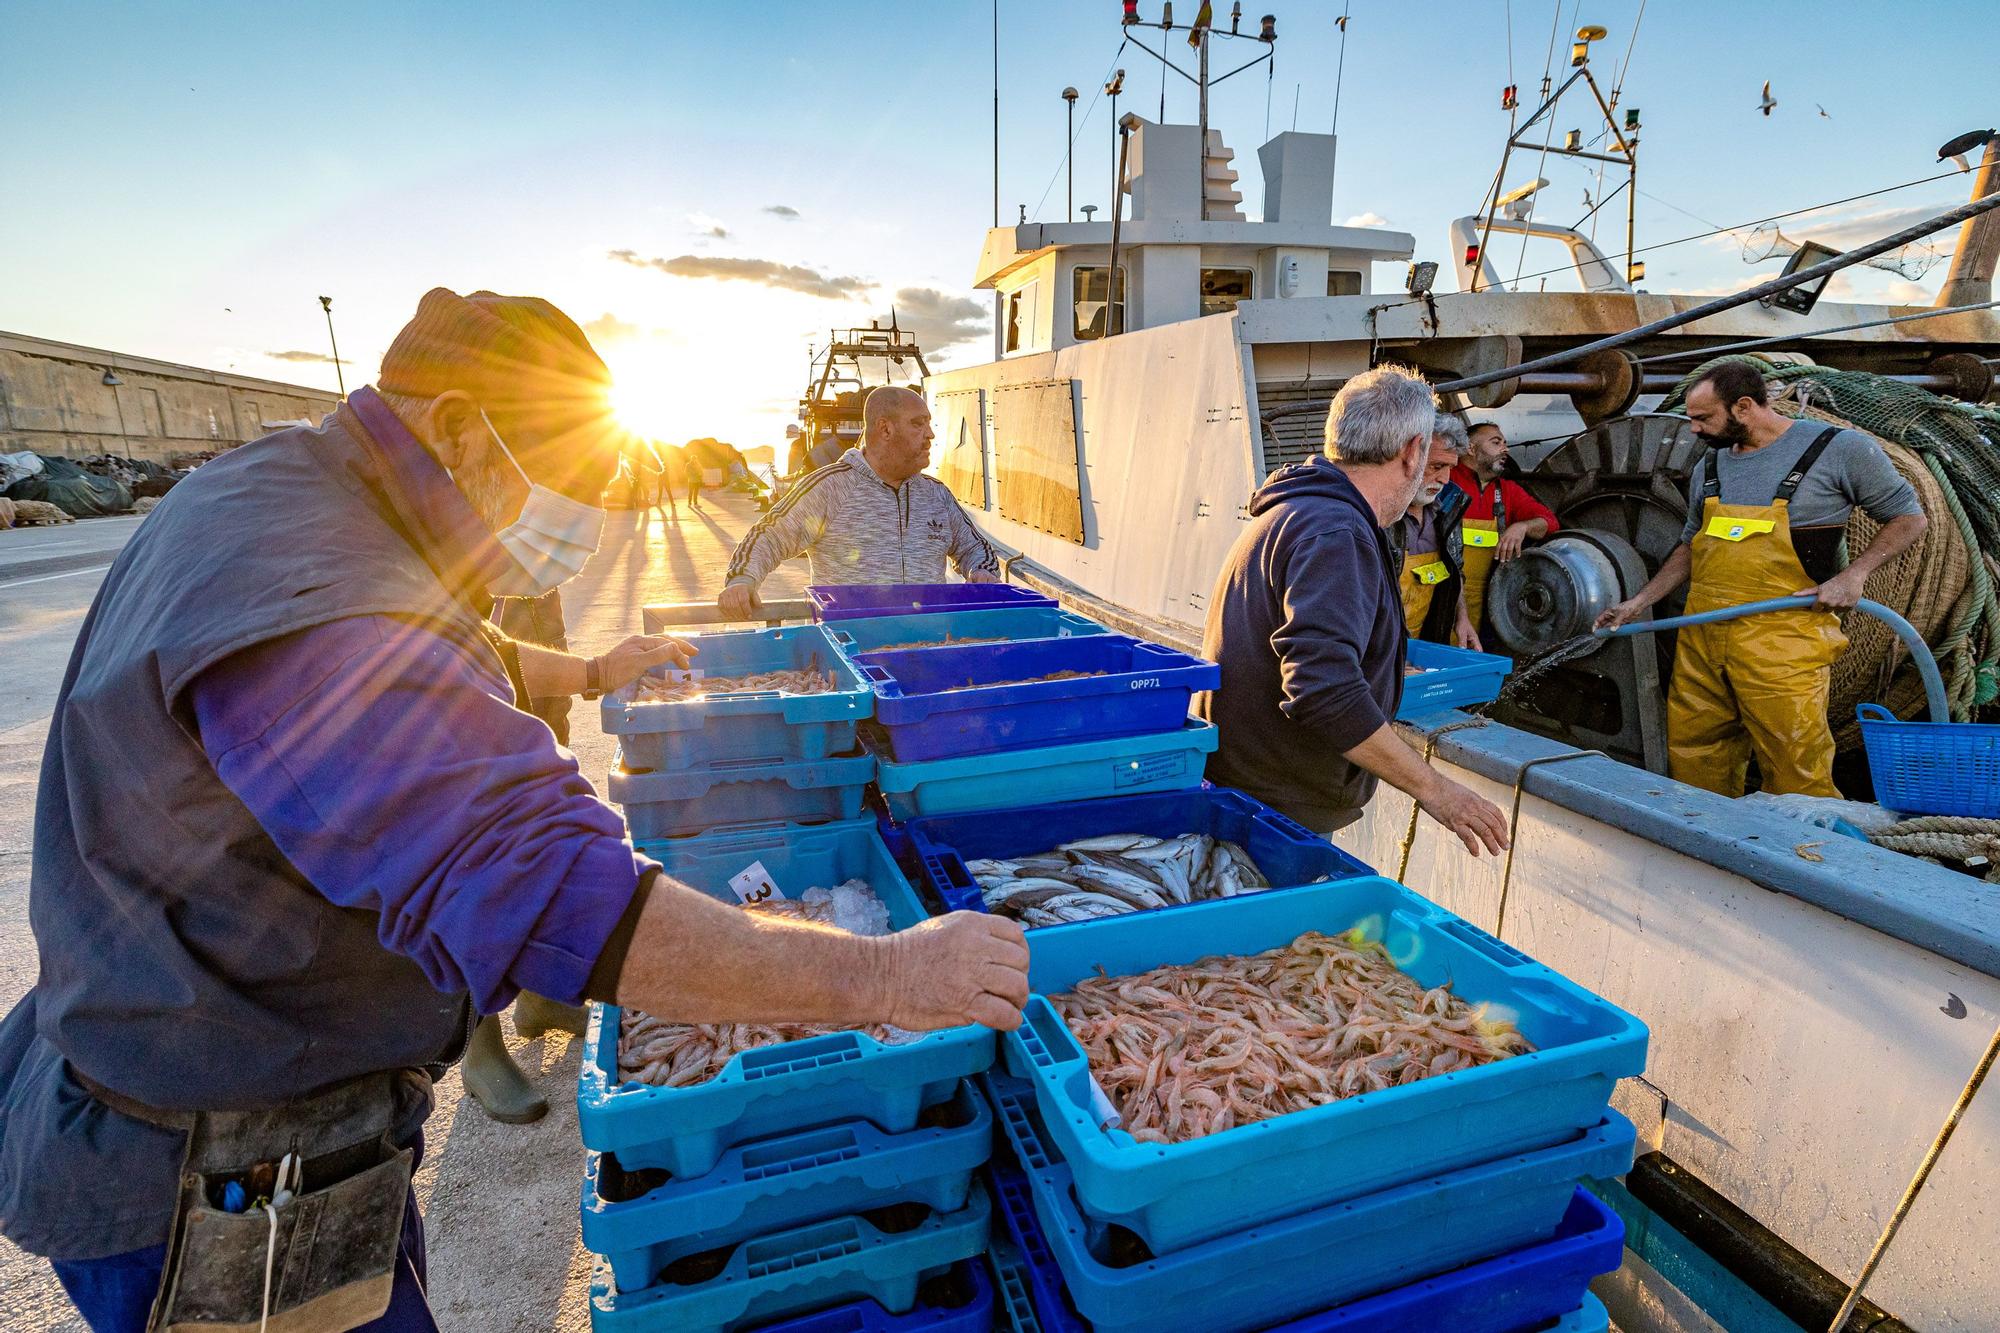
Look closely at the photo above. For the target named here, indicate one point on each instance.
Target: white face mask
(550, 542)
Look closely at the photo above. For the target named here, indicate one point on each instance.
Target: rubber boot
(495, 1081)
(537, 1015)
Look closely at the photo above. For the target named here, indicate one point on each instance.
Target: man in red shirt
(1501, 517)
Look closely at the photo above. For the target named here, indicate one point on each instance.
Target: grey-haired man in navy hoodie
(1307, 625)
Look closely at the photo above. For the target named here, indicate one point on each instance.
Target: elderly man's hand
(739, 601)
(640, 654)
(966, 967)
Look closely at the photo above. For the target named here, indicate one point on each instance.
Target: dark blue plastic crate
(794, 1085)
(1932, 768)
(1180, 1194)
(945, 629)
(800, 1271)
(750, 724)
(852, 601)
(681, 801)
(1078, 771)
(960, 1302)
(1336, 1255)
(1451, 678)
(1288, 853)
(935, 703)
(783, 1181)
(1013, 1302)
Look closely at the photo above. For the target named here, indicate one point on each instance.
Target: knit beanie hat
(519, 356)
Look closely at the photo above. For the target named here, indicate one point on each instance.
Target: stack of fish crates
(1453, 1201)
(977, 701)
(828, 1182)
(747, 753)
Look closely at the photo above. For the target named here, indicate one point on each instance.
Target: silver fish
(1110, 842)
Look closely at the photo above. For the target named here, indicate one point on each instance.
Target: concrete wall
(53, 400)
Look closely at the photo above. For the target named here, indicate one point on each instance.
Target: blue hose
(1920, 652)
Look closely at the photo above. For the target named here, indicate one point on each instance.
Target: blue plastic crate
(1296, 1267)
(798, 1271)
(1081, 771)
(1932, 768)
(1590, 1317)
(945, 629)
(1287, 853)
(737, 791)
(780, 1182)
(935, 703)
(1517, 1291)
(1451, 678)
(752, 724)
(1179, 1194)
(858, 601)
(1013, 1303)
(961, 1301)
(794, 1085)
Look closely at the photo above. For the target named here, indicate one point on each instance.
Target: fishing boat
(837, 381)
(1817, 1003)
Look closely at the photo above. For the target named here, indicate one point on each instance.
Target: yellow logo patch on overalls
(1731, 529)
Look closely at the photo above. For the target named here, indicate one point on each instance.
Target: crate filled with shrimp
(947, 628)
(1229, 1063)
(1048, 865)
(779, 693)
(1498, 1247)
(882, 1263)
(937, 703)
(676, 1096)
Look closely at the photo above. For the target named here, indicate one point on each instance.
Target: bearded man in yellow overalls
(1768, 507)
(1429, 543)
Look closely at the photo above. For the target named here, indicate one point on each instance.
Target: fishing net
(1945, 584)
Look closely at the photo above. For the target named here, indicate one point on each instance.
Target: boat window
(1088, 305)
(1222, 288)
(1343, 282)
(1021, 317)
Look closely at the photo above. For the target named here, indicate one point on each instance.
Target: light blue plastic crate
(1290, 1268)
(737, 791)
(960, 1301)
(1179, 1194)
(945, 629)
(1086, 770)
(1451, 678)
(795, 1272)
(753, 724)
(794, 1085)
(779, 1182)
(938, 703)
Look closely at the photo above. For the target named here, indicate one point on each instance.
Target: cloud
(785, 211)
(708, 226)
(310, 358)
(940, 320)
(763, 272)
(608, 327)
(1369, 219)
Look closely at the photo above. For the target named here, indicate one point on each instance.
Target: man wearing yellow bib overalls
(1430, 547)
(1501, 517)
(1768, 507)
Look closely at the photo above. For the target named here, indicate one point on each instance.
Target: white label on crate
(674, 675)
(753, 884)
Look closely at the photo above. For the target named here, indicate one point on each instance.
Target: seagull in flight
(1769, 101)
(1822, 112)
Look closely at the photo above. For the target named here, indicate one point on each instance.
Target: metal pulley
(1552, 593)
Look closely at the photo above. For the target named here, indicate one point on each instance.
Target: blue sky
(183, 181)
